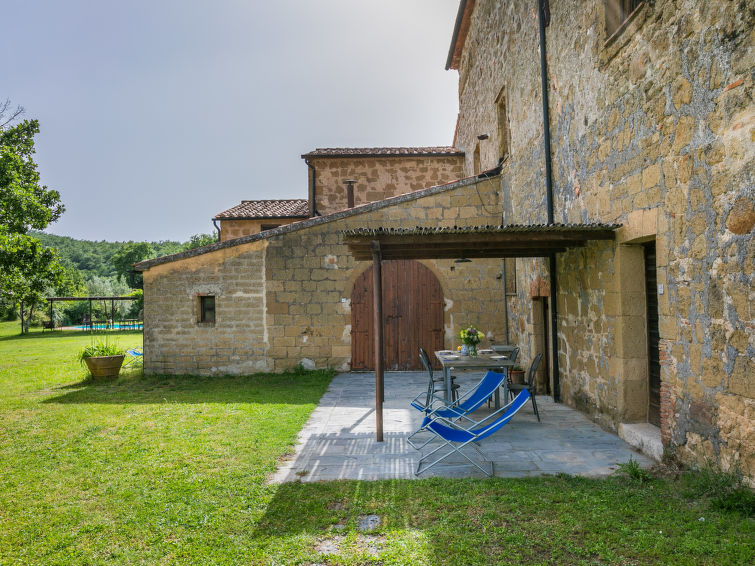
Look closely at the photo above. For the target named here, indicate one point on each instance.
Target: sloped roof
(279, 208)
(437, 151)
(305, 223)
(461, 28)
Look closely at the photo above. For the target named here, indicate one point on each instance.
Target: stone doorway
(654, 366)
(540, 342)
(412, 313)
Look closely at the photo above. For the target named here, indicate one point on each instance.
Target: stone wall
(377, 178)
(175, 342)
(230, 229)
(283, 297)
(658, 119)
(310, 275)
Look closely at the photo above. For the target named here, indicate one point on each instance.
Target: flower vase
(464, 350)
(473, 350)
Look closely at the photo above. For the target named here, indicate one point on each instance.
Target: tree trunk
(29, 315)
(25, 316)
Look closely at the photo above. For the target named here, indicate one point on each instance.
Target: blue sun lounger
(455, 438)
(135, 357)
(461, 408)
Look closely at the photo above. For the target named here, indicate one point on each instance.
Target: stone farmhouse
(629, 115)
(254, 216)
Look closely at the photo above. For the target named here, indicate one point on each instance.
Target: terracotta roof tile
(278, 208)
(384, 152)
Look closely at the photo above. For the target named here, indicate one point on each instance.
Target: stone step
(643, 436)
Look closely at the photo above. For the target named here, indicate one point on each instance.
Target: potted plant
(517, 375)
(103, 359)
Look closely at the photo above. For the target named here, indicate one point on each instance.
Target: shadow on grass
(432, 516)
(555, 520)
(133, 388)
(328, 511)
(56, 334)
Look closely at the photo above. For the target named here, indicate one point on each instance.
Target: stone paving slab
(338, 440)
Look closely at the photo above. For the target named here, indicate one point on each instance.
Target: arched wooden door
(412, 316)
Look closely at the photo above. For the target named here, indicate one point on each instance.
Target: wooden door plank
(413, 315)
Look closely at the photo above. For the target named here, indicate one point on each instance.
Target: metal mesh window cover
(207, 308)
(617, 12)
(510, 269)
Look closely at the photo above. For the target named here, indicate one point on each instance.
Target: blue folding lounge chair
(135, 357)
(456, 438)
(461, 408)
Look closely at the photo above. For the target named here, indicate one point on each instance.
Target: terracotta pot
(104, 366)
(517, 376)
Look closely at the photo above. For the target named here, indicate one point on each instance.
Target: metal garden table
(453, 360)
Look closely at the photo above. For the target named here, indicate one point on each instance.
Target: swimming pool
(113, 326)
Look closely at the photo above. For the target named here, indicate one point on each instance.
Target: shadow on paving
(338, 441)
(259, 389)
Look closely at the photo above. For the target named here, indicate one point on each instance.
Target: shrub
(723, 490)
(633, 470)
(100, 348)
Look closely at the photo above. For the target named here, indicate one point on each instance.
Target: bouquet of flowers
(470, 337)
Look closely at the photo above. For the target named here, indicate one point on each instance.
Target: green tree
(27, 268)
(27, 271)
(199, 240)
(129, 254)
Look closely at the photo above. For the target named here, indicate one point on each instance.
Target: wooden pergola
(516, 240)
(52, 300)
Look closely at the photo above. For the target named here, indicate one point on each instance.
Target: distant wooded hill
(95, 258)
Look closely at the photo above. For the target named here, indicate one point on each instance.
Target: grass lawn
(172, 470)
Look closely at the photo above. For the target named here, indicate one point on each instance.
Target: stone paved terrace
(338, 440)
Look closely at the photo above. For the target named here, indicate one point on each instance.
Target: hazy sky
(155, 115)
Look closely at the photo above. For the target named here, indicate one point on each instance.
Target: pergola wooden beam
(476, 238)
(474, 242)
(456, 252)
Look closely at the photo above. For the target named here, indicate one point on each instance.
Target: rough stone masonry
(652, 127)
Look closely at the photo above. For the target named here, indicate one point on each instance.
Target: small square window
(207, 308)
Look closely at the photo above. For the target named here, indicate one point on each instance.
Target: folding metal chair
(435, 384)
(529, 385)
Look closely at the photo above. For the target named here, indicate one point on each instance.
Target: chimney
(349, 192)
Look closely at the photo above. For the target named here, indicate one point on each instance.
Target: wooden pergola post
(377, 303)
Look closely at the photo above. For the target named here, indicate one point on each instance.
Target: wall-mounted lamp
(462, 260)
